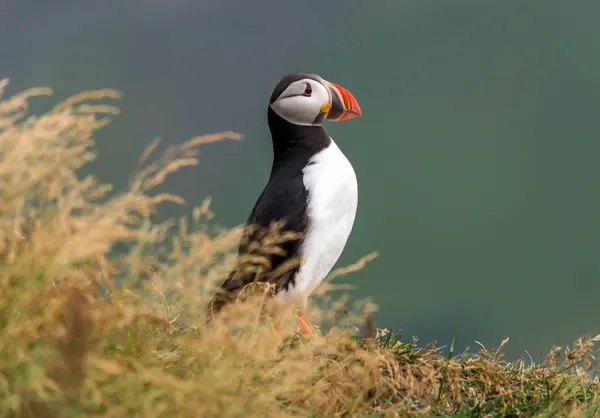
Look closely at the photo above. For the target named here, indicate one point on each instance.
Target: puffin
(312, 191)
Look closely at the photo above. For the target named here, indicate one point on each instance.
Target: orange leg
(304, 325)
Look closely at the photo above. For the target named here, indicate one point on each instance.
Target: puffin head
(307, 99)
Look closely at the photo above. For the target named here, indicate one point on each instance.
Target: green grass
(74, 343)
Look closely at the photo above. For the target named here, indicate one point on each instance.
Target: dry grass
(89, 332)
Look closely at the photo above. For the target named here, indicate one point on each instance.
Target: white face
(303, 102)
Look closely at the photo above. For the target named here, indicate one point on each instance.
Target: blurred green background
(476, 155)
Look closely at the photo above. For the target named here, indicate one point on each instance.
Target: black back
(284, 199)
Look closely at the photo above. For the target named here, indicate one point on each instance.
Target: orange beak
(343, 104)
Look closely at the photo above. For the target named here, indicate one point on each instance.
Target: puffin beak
(343, 104)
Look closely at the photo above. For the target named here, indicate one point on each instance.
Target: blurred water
(476, 155)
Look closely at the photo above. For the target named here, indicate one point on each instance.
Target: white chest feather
(332, 200)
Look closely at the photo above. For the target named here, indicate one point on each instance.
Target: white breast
(332, 200)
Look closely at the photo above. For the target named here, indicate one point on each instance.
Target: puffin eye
(308, 90)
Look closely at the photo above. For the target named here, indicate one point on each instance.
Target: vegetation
(88, 331)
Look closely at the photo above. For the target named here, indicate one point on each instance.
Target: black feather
(284, 199)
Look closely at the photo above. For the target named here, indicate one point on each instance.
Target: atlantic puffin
(312, 190)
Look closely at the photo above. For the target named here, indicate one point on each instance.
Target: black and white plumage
(312, 188)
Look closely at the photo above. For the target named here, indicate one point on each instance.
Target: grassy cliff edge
(88, 331)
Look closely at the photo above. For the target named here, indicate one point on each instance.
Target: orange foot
(304, 325)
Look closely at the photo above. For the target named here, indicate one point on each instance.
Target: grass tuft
(86, 330)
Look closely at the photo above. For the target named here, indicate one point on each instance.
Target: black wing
(284, 199)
